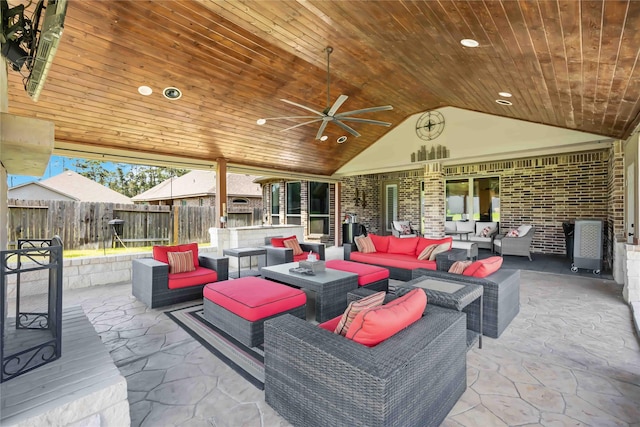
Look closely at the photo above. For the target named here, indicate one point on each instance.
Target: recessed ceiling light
(324, 138)
(342, 139)
(505, 94)
(469, 43)
(145, 90)
(504, 102)
(261, 121)
(172, 93)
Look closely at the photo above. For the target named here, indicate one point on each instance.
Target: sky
(57, 164)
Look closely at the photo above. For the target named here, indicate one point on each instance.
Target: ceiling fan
(329, 114)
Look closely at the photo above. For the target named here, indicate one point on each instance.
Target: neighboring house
(198, 188)
(67, 186)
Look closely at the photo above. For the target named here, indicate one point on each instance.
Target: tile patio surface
(571, 357)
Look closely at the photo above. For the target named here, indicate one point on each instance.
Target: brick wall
(543, 191)
(615, 228)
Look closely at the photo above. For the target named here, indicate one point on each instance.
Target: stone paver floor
(571, 357)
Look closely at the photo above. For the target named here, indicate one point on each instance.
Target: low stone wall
(83, 272)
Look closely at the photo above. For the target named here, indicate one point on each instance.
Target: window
(275, 203)
(201, 201)
(318, 208)
(473, 198)
(293, 203)
(391, 205)
(239, 201)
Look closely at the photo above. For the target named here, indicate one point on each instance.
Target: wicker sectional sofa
(501, 298)
(399, 256)
(413, 378)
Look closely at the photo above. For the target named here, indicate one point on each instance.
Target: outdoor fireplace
(31, 314)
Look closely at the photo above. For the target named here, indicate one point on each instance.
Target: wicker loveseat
(317, 378)
(501, 300)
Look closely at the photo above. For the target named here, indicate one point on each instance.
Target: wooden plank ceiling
(567, 63)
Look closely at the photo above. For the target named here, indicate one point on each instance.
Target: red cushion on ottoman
(253, 298)
(366, 273)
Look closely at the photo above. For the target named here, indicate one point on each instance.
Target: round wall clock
(430, 125)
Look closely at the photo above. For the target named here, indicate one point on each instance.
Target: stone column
(434, 200)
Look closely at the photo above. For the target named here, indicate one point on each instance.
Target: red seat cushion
(366, 273)
(407, 262)
(253, 298)
(374, 325)
(199, 276)
(483, 267)
(331, 324)
(160, 252)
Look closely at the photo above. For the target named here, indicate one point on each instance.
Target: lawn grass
(76, 253)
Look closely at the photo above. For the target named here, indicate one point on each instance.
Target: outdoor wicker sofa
(501, 300)
(317, 378)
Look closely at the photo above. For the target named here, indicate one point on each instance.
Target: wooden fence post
(176, 224)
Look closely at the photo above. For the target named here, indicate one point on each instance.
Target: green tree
(129, 180)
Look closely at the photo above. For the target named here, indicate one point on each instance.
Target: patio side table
(451, 295)
(240, 253)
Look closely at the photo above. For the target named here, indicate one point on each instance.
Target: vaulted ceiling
(570, 64)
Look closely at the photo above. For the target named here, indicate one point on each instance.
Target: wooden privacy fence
(84, 225)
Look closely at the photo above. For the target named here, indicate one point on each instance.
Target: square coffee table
(455, 295)
(330, 286)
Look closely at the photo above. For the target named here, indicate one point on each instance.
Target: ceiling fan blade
(369, 121)
(322, 126)
(302, 106)
(341, 99)
(347, 128)
(290, 117)
(302, 124)
(365, 110)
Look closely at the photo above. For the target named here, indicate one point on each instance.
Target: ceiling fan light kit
(330, 113)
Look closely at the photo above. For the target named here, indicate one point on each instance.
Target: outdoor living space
(571, 357)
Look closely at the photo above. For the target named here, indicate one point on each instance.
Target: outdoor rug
(248, 362)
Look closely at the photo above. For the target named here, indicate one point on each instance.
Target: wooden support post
(221, 192)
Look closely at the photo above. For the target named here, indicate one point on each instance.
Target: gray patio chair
(520, 246)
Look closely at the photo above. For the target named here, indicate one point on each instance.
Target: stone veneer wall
(434, 200)
(616, 229)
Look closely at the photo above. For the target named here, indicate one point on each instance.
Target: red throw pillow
(159, 253)
(278, 242)
(374, 325)
(483, 267)
(380, 242)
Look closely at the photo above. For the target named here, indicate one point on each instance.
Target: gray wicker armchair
(520, 246)
(316, 378)
(277, 256)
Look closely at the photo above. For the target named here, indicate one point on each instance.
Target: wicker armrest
(445, 260)
(314, 247)
(348, 248)
(219, 264)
